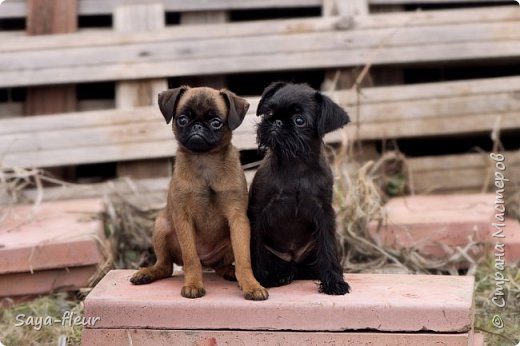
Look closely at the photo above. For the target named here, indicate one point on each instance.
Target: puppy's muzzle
(277, 123)
(197, 137)
(276, 126)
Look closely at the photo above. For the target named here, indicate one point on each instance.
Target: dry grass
(53, 306)
(130, 230)
(359, 196)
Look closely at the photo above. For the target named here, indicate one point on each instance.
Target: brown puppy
(205, 221)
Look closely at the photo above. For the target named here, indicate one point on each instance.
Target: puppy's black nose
(278, 123)
(197, 127)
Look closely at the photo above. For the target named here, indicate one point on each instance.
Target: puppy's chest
(297, 190)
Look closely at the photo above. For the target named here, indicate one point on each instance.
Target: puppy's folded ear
(237, 108)
(331, 116)
(168, 101)
(269, 91)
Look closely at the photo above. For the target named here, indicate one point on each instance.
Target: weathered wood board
(438, 36)
(17, 8)
(384, 112)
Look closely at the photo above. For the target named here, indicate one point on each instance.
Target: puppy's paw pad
(259, 293)
(141, 278)
(336, 288)
(192, 292)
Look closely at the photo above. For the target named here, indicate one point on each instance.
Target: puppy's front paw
(257, 293)
(192, 291)
(142, 277)
(337, 288)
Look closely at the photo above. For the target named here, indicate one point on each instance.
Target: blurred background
(432, 79)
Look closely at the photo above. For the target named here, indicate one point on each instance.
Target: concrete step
(53, 246)
(427, 222)
(400, 309)
(45, 281)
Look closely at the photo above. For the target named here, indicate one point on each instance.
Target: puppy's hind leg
(226, 269)
(163, 267)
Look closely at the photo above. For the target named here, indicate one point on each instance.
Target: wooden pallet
(17, 8)
(385, 112)
(400, 38)
(345, 37)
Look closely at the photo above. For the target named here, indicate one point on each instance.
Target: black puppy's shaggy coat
(293, 231)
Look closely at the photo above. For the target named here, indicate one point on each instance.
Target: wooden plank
(92, 105)
(419, 2)
(433, 90)
(17, 8)
(338, 79)
(52, 17)
(260, 45)
(467, 124)
(258, 54)
(145, 192)
(140, 18)
(11, 109)
(15, 109)
(78, 120)
(101, 37)
(208, 17)
(140, 133)
(112, 149)
(377, 117)
(387, 76)
(370, 96)
(258, 63)
(458, 172)
(445, 173)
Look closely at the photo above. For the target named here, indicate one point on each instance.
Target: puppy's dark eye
(182, 120)
(268, 114)
(216, 123)
(299, 121)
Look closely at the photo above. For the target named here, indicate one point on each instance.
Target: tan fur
(205, 221)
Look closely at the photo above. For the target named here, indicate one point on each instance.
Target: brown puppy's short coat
(205, 221)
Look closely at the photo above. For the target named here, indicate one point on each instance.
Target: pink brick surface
(477, 339)
(46, 281)
(57, 235)
(425, 222)
(137, 337)
(512, 240)
(406, 303)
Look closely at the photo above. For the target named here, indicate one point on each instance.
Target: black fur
(290, 205)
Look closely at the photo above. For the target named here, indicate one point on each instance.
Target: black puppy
(293, 229)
